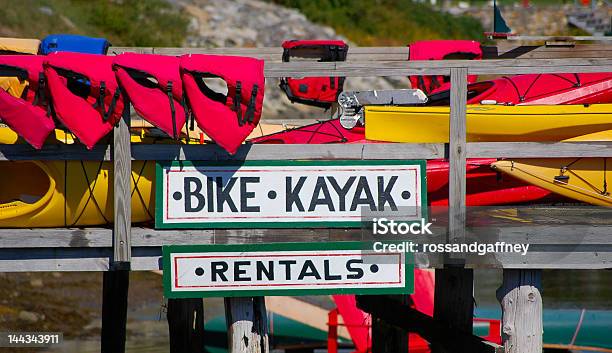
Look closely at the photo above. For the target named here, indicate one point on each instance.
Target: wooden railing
(121, 153)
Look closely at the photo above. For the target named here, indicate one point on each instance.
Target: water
(562, 289)
(567, 289)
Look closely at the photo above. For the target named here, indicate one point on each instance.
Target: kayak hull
(69, 193)
(580, 179)
(489, 123)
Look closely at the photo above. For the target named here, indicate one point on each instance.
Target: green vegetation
(123, 22)
(387, 22)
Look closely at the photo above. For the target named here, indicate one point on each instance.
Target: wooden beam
(521, 303)
(114, 311)
(186, 325)
(245, 152)
(116, 281)
(454, 304)
(508, 50)
(560, 38)
(297, 151)
(122, 177)
(457, 155)
(539, 149)
(502, 50)
(388, 338)
(431, 329)
(563, 256)
(562, 234)
(453, 299)
(247, 325)
(316, 152)
(436, 67)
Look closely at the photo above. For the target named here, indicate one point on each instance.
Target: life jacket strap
(100, 101)
(237, 102)
(112, 105)
(189, 114)
(433, 83)
(250, 112)
(39, 96)
(420, 83)
(172, 110)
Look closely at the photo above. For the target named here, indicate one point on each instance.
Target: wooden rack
(125, 247)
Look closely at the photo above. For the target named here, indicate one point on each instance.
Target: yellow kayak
(13, 85)
(75, 193)
(583, 179)
(19, 46)
(491, 123)
(69, 193)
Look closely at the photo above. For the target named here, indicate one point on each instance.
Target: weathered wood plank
(559, 38)
(454, 304)
(387, 338)
(539, 149)
(501, 50)
(247, 325)
(432, 67)
(122, 174)
(114, 311)
(298, 151)
(215, 153)
(559, 234)
(572, 256)
(509, 50)
(119, 50)
(457, 155)
(314, 152)
(186, 325)
(521, 303)
(54, 152)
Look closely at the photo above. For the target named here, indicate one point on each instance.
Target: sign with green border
(196, 271)
(287, 194)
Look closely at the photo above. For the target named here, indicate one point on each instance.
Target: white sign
(269, 272)
(287, 194)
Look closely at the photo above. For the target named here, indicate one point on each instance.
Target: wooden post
(122, 178)
(115, 286)
(453, 301)
(457, 155)
(186, 325)
(521, 304)
(387, 338)
(116, 280)
(247, 325)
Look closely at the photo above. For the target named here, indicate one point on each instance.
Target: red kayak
(537, 89)
(484, 186)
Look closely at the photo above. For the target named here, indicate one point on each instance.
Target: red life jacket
(85, 95)
(441, 50)
(153, 84)
(227, 119)
(26, 115)
(316, 91)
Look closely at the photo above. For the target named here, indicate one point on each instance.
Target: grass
(123, 22)
(387, 22)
